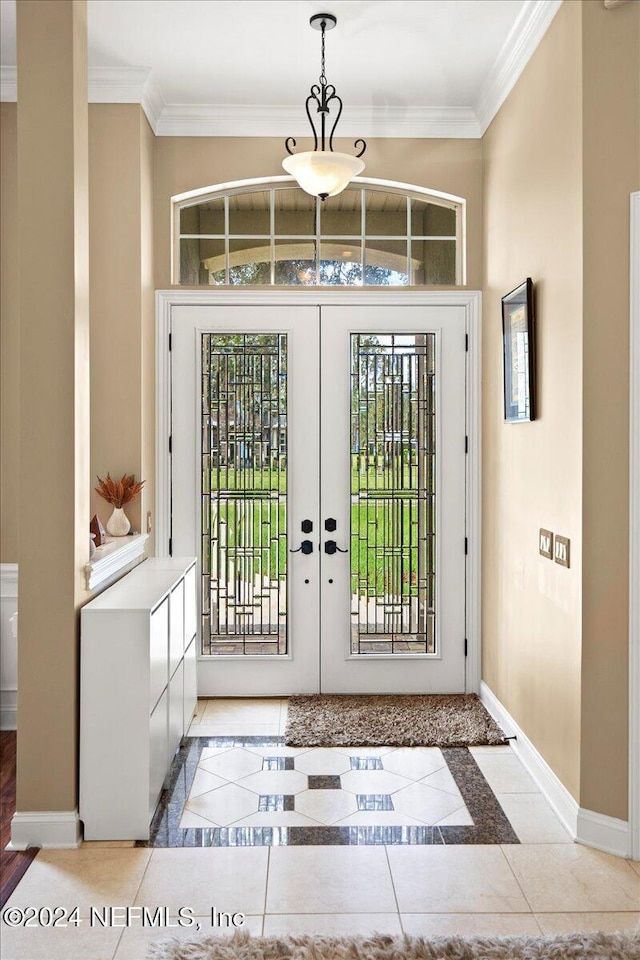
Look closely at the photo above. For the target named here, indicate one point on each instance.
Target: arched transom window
(371, 234)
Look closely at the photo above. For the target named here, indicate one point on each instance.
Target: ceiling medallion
(323, 172)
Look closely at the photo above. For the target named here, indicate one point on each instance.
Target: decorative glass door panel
(318, 473)
(393, 481)
(244, 494)
(244, 475)
(393, 508)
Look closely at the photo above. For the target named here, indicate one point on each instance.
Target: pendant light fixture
(323, 172)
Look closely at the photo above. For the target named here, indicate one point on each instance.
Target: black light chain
(323, 79)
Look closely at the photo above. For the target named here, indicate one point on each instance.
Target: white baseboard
(604, 833)
(50, 829)
(8, 709)
(565, 806)
(585, 826)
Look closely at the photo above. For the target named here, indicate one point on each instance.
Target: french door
(318, 474)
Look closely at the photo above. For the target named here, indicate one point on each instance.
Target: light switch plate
(545, 543)
(562, 553)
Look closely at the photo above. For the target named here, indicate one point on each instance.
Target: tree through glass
(244, 494)
(393, 491)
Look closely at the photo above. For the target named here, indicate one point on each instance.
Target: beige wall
(187, 163)
(122, 337)
(611, 171)
(9, 335)
(53, 499)
(532, 472)
(560, 160)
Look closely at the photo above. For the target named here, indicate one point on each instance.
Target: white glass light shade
(321, 172)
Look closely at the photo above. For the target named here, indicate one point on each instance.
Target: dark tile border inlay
(490, 822)
(325, 782)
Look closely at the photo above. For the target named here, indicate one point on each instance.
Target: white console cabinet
(137, 694)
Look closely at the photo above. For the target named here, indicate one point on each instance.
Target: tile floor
(228, 787)
(543, 884)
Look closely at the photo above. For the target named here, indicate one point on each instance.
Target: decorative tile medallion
(405, 809)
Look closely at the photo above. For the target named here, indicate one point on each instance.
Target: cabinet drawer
(190, 606)
(158, 749)
(176, 626)
(176, 709)
(190, 684)
(158, 652)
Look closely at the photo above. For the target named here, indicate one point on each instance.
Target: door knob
(332, 547)
(330, 524)
(305, 547)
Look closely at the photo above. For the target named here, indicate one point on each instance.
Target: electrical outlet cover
(545, 543)
(562, 551)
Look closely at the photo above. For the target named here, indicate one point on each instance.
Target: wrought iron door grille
(393, 493)
(244, 494)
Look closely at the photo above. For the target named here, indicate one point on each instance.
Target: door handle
(305, 547)
(332, 547)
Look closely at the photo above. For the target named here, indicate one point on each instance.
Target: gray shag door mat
(430, 720)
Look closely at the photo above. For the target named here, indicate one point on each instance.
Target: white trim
(8, 84)
(113, 559)
(634, 534)
(258, 120)
(117, 84)
(8, 580)
(205, 193)
(164, 302)
(153, 102)
(50, 829)
(139, 85)
(471, 300)
(565, 806)
(9, 644)
(8, 708)
(525, 35)
(474, 496)
(603, 833)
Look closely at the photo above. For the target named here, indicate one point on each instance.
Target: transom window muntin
(276, 234)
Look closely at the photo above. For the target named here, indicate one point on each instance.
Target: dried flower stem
(119, 492)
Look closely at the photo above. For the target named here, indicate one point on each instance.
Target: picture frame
(518, 350)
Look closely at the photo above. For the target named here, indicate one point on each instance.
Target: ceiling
(402, 66)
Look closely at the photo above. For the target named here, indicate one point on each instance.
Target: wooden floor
(13, 863)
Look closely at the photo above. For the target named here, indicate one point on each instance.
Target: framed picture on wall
(518, 347)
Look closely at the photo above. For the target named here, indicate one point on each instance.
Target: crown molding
(139, 85)
(105, 84)
(241, 120)
(117, 84)
(153, 103)
(525, 35)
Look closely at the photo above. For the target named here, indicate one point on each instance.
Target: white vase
(118, 523)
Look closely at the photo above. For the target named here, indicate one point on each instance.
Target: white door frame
(634, 534)
(469, 299)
